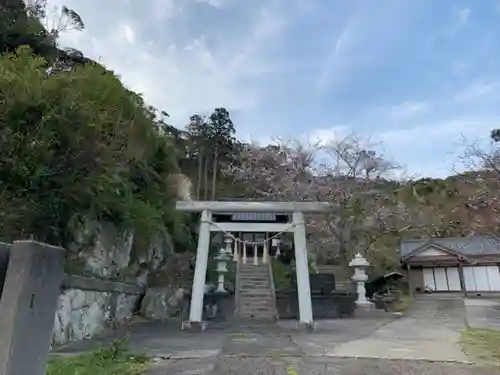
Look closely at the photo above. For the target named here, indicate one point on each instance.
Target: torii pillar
(297, 209)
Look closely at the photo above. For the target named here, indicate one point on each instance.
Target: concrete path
(431, 331)
(483, 312)
(423, 342)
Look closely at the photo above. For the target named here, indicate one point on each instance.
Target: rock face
(102, 251)
(81, 314)
(163, 303)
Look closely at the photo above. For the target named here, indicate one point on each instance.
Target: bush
(78, 144)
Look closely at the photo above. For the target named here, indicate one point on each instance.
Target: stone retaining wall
(87, 306)
(325, 306)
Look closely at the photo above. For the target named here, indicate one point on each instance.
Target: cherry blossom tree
(480, 187)
(347, 173)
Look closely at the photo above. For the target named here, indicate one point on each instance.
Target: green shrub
(78, 143)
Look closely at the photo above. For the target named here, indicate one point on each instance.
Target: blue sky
(418, 76)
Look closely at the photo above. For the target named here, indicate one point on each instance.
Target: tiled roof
(473, 245)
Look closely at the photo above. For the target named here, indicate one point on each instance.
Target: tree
(198, 136)
(481, 185)
(28, 23)
(353, 181)
(75, 144)
(221, 132)
(20, 25)
(279, 171)
(211, 143)
(350, 179)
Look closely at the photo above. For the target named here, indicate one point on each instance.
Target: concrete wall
(87, 306)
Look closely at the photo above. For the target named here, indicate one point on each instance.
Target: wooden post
(244, 253)
(264, 256)
(462, 278)
(408, 275)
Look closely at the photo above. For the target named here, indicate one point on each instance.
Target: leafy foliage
(77, 143)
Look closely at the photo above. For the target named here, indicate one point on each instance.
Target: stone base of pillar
(306, 327)
(365, 305)
(193, 326)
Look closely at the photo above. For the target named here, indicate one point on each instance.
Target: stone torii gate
(296, 209)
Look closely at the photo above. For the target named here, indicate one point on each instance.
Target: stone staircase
(256, 300)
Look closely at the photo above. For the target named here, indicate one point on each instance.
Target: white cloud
(405, 111)
(128, 33)
(334, 59)
(477, 90)
(165, 9)
(431, 149)
(460, 18)
(439, 132)
(183, 77)
(219, 4)
(326, 135)
(463, 15)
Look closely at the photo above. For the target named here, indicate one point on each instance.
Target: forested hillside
(76, 142)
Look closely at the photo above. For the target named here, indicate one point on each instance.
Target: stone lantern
(359, 263)
(222, 258)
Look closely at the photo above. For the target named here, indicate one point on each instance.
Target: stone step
(252, 293)
(264, 318)
(260, 291)
(255, 302)
(255, 292)
(254, 269)
(253, 281)
(254, 277)
(255, 299)
(257, 312)
(258, 315)
(253, 285)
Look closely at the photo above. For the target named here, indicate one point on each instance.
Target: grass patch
(482, 344)
(112, 360)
